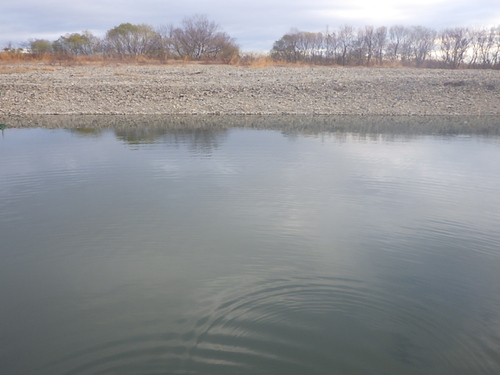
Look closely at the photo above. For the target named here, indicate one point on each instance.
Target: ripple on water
(420, 296)
(302, 325)
(296, 325)
(134, 354)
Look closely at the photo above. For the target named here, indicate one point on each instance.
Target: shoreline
(197, 89)
(373, 125)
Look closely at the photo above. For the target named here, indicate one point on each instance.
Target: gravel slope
(34, 89)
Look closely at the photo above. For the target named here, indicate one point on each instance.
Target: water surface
(220, 250)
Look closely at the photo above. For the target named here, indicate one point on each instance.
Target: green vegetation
(84, 44)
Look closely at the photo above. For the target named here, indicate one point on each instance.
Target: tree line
(408, 46)
(197, 38)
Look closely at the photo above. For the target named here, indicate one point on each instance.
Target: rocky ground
(37, 89)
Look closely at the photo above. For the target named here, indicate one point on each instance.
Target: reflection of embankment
(200, 140)
(140, 126)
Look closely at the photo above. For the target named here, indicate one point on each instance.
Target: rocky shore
(121, 89)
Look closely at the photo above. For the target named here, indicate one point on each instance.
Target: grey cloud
(254, 24)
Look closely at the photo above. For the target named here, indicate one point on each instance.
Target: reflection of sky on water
(414, 221)
(373, 166)
(40, 151)
(391, 172)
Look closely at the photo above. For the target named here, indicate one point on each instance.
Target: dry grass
(11, 70)
(10, 58)
(246, 60)
(258, 61)
(23, 69)
(123, 74)
(262, 62)
(250, 60)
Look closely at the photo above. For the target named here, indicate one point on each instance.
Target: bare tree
(199, 38)
(8, 47)
(454, 45)
(287, 48)
(399, 47)
(476, 37)
(483, 41)
(345, 43)
(330, 45)
(165, 42)
(422, 41)
(368, 43)
(380, 42)
(495, 50)
(313, 44)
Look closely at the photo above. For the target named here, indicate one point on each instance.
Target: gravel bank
(37, 89)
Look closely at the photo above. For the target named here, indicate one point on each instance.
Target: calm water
(246, 251)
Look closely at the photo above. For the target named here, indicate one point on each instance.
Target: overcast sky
(255, 24)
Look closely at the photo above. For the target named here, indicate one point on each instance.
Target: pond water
(237, 250)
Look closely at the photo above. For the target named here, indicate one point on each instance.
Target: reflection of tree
(87, 132)
(138, 136)
(200, 140)
(205, 140)
(205, 133)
